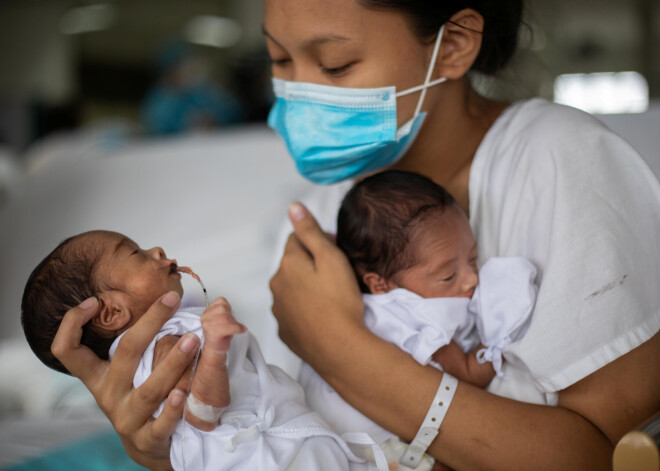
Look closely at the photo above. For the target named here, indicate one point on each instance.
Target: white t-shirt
(554, 185)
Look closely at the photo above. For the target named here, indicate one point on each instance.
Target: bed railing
(639, 449)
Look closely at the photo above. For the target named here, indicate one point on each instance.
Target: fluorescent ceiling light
(603, 93)
(88, 19)
(213, 31)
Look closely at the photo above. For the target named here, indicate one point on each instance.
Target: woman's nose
(305, 71)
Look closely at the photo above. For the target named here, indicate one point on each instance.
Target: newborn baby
(266, 424)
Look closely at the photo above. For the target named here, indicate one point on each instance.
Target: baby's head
(124, 278)
(401, 230)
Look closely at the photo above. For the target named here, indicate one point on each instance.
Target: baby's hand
(219, 326)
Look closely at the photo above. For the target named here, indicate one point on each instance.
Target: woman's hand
(147, 440)
(314, 290)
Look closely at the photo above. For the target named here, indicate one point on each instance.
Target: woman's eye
(280, 62)
(135, 252)
(336, 70)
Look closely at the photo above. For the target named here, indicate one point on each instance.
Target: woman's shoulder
(548, 117)
(538, 137)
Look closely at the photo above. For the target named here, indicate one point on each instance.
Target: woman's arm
(319, 310)
(146, 440)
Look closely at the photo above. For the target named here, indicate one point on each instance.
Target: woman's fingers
(165, 376)
(133, 344)
(163, 427)
(78, 359)
(150, 446)
(314, 277)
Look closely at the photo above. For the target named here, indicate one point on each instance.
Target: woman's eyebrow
(320, 40)
(310, 43)
(268, 35)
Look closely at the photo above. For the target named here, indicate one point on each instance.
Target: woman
(537, 180)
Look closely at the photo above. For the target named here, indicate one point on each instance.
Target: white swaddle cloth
(267, 426)
(500, 309)
(502, 305)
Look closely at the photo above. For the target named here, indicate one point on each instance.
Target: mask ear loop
(428, 82)
(429, 72)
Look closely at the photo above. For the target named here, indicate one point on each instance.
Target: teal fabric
(100, 452)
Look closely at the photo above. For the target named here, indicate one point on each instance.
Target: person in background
(184, 98)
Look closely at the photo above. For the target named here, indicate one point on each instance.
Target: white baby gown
(499, 309)
(267, 426)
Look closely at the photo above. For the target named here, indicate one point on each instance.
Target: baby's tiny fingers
(219, 342)
(222, 303)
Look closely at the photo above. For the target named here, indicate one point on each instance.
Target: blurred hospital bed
(214, 201)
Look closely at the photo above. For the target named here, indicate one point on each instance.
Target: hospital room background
(147, 117)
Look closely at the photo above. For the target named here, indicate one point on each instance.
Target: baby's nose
(158, 253)
(470, 281)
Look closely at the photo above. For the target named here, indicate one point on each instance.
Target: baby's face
(138, 277)
(446, 255)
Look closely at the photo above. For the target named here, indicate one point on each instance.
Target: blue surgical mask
(337, 133)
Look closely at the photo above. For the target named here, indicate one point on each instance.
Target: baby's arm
(210, 385)
(464, 366)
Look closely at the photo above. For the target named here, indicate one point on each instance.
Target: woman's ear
(114, 314)
(376, 283)
(461, 43)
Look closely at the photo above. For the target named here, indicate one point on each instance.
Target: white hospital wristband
(434, 417)
(202, 410)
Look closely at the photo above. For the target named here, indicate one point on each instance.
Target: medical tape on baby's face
(202, 410)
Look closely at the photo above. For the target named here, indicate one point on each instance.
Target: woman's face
(341, 43)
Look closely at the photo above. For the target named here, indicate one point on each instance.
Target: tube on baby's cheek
(189, 271)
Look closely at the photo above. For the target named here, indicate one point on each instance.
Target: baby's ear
(376, 283)
(113, 314)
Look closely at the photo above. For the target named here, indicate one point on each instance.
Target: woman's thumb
(306, 227)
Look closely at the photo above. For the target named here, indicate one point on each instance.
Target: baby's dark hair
(379, 216)
(64, 279)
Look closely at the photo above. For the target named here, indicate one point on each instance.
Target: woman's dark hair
(61, 281)
(502, 20)
(378, 218)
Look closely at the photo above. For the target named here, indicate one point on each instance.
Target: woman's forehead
(312, 20)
